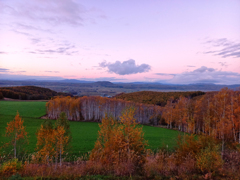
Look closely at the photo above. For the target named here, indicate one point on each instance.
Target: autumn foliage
(17, 134)
(10, 167)
(157, 98)
(45, 143)
(215, 114)
(52, 142)
(209, 148)
(120, 144)
(209, 160)
(28, 92)
(95, 108)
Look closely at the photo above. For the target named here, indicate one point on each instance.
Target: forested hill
(29, 93)
(156, 98)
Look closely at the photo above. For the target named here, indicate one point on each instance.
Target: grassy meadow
(84, 134)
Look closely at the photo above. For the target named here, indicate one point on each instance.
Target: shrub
(16, 177)
(231, 163)
(155, 165)
(10, 167)
(209, 160)
(191, 145)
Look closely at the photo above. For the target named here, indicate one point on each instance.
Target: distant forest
(157, 98)
(29, 93)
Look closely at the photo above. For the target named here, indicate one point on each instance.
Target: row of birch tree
(215, 113)
(94, 108)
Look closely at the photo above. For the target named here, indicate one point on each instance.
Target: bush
(16, 177)
(10, 167)
(192, 145)
(209, 160)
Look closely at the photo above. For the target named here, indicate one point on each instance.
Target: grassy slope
(32, 109)
(84, 133)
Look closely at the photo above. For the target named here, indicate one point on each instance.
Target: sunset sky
(167, 41)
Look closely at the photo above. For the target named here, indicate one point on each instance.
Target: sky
(177, 42)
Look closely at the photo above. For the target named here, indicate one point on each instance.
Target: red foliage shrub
(124, 169)
(231, 163)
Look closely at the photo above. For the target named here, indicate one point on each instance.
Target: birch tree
(17, 134)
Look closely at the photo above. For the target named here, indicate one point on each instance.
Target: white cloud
(53, 12)
(206, 75)
(126, 67)
(3, 70)
(224, 48)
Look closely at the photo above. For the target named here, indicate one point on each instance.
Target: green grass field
(84, 134)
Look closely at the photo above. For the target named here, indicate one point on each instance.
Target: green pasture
(84, 134)
(32, 109)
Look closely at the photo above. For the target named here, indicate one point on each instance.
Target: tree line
(29, 93)
(216, 114)
(157, 98)
(1, 96)
(94, 108)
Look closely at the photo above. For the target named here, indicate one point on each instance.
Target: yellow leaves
(15, 128)
(120, 142)
(16, 132)
(45, 144)
(203, 149)
(209, 160)
(10, 167)
(60, 139)
(51, 142)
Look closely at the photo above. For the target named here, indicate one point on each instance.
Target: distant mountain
(30, 80)
(211, 84)
(146, 83)
(104, 83)
(83, 87)
(74, 81)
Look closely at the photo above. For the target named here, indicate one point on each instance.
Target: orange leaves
(203, 149)
(45, 143)
(157, 98)
(120, 143)
(10, 167)
(16, 128)
(60, 139)
(16, 132)
(219, 114)
(52, 142)
(95, 107)
(105, 143)
(216, 114)
(209, 160)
